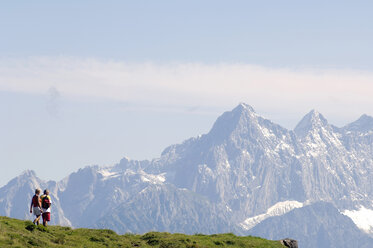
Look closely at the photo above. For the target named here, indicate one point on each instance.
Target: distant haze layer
(342, 95)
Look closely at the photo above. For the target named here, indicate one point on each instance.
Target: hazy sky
(89, 82)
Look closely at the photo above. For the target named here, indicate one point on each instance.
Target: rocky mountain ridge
(219, 181)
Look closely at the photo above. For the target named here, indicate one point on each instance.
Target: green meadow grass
(18, 233)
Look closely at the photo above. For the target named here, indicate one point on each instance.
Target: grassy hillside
(18, 233)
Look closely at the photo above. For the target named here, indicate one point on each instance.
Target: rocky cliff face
(316, 225)
(245, 170)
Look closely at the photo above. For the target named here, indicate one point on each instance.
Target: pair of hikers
(41, 207)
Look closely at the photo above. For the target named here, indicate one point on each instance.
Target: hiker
(36, 206)
(46, 207)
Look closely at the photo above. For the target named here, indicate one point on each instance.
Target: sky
(90, 82)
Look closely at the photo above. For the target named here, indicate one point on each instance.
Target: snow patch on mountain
(154, 179)
(278, 209)
(362, 217)
(107, 174)
(267, 133)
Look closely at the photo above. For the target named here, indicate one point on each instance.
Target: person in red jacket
(36, 206)
(46, 207)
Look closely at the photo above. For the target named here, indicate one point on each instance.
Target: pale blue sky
(65, 112)
(278, 33)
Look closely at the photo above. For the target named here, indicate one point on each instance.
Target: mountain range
(248, 176)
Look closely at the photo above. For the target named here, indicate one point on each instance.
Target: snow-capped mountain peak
(244, 107)
(312, 122)
(238, 119)
(363, 124)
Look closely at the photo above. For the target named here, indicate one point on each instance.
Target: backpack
(45, 202)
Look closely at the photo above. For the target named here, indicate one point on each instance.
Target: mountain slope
(167, 208)
(316, 225)
(245, 170)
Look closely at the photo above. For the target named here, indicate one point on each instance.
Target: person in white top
(46, 203)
